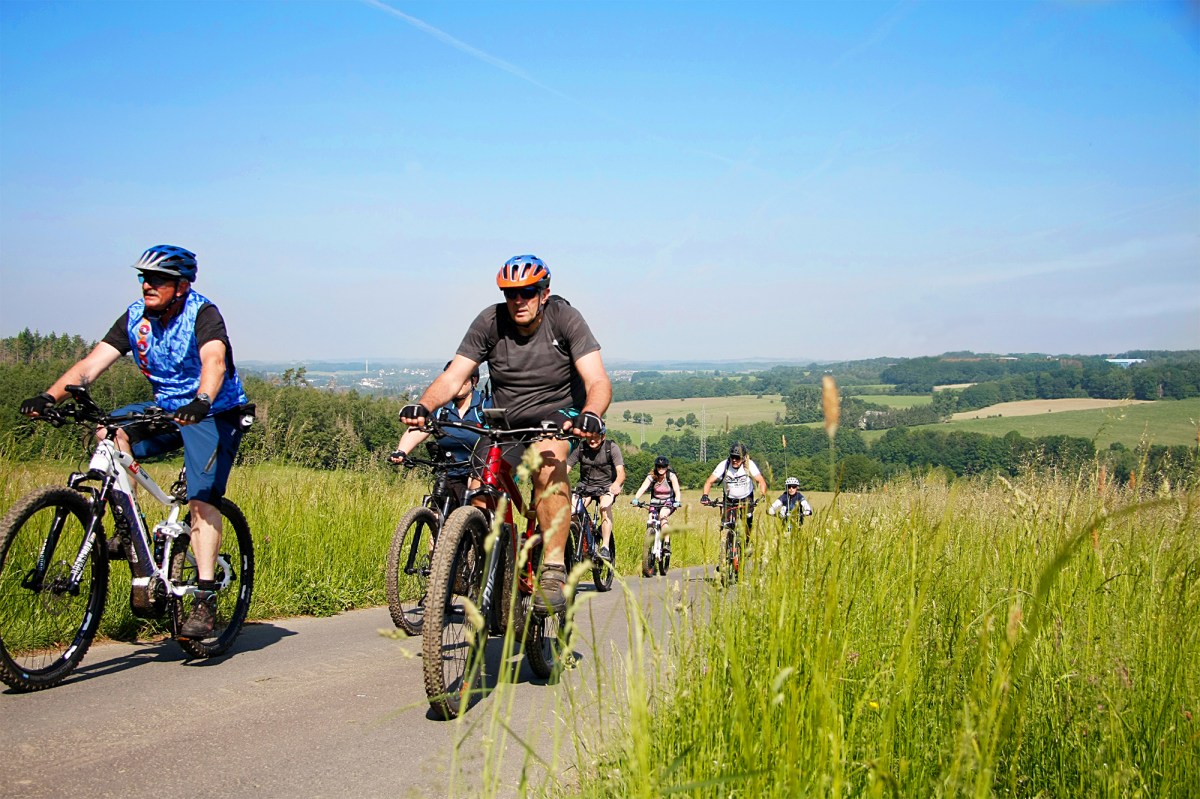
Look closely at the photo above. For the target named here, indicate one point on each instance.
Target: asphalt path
(331, 707)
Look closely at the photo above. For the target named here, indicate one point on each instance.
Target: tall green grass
(984, 639)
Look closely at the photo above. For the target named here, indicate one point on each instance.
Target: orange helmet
(521, 271)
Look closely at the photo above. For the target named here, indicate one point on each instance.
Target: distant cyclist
(791, 503)
(545, 365)
(738, 475)
(663, 485)
(466, 405)
(601, 478)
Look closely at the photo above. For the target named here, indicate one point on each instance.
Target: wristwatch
(204, 398)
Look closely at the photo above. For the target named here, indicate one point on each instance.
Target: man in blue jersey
(178, 340)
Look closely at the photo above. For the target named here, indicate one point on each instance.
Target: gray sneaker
(605, 555)
(548, 598)
(203, 618)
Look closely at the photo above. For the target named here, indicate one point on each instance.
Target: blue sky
(705, 180)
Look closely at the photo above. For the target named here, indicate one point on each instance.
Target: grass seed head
(831, 404)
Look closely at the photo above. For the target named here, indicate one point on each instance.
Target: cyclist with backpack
(738, 476)
(545, 365)
(601, 478)
(790, 502)
(663, 484)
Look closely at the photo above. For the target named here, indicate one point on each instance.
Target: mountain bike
(584, 543)
(406, 578)
(54, 556)
(733, 521)
(473, 574)
(656, 555)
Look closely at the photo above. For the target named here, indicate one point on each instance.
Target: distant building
(1125, 363)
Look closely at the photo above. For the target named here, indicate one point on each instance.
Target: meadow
(1039, 637)
(1165, 422)
(723, 413)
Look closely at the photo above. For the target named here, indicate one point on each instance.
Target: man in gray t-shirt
(544, 364)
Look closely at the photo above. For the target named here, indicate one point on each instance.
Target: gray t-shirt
(532, 376)
(597, 465)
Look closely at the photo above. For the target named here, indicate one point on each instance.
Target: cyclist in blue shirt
(466, 405)
(178, 340)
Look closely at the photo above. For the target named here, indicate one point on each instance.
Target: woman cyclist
(663, 484)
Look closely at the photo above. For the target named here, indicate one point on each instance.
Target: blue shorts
(209, 448)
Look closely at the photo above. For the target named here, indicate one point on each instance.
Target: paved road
(314, 708)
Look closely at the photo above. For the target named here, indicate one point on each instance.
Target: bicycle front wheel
(603, 571)
(454, 635)
(409, 560)
(235, 570)
(544, 635)
(46, 625)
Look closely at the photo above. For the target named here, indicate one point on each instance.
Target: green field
(1165, 422)
(723, 412)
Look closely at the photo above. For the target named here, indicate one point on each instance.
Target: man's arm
(212, 367)
(597, 386)
(86, 370)
(442, 389)
(619, 483)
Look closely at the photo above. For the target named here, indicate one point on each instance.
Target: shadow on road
(166, 650)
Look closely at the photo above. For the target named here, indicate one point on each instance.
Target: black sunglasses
(527, 293)
(155, 280)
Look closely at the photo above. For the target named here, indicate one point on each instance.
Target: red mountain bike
(473, 574)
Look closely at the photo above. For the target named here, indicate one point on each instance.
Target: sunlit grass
(1036, 639)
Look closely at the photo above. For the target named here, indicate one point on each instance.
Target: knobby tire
(45, 633)
(452, 645)
(412, 543)
(233, 602)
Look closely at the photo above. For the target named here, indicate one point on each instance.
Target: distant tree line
(305, 426)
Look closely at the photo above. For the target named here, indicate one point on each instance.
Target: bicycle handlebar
(84, 410)
(725, 503)
(509, 436)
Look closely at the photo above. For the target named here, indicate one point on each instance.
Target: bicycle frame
(589, 524)
(117, 473)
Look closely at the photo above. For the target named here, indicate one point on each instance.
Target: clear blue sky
(705, 180)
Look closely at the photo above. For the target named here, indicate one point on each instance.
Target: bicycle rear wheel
(235, 563)
(409, 560)
(45, 629)
(454, 635)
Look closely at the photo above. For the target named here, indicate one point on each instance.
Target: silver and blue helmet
(169, 260)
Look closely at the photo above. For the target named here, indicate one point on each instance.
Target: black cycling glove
(414, 411)
(704, 500)
(398, 456)
(194, 411)
(37, 404)
(589, 423)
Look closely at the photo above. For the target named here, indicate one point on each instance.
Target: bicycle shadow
(254, 636)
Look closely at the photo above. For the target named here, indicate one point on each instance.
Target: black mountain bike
(584, 543)
(54, 556)
(734, 521)
(411, 553)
